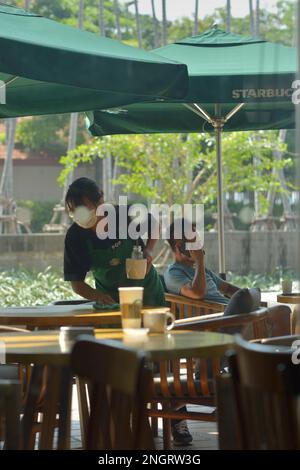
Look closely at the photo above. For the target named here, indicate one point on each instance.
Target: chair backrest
(267, 404)
(119, 390)
(10, 411)
(183, 307)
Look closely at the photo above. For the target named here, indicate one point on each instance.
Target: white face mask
(84, 217)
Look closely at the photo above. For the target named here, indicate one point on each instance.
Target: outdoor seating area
(43, 383)
(149, 235)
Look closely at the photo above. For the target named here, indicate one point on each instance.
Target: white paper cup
(131, 302)
(136, 268)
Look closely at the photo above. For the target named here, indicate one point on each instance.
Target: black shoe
(180, 433)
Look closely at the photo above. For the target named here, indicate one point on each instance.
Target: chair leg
(154, 420)
(83, 408)
(50, 408)
(65, 408)
(167, 433)
(30, 413)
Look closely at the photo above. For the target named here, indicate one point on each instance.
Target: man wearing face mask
(85, 251)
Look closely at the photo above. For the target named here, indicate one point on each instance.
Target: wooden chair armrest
(217, 321)
(196, 319)
(12, 329)
(180, 299)
(279, 340)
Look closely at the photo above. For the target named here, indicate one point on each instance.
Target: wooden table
(288, 298)
(56, 316)
(44, 348)
(295, 317)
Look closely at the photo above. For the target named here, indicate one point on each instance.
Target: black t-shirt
(77, 260)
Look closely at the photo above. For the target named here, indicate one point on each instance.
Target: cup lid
(130, 289)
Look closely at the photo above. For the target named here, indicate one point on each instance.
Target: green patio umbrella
(48, 67)
(236, 83)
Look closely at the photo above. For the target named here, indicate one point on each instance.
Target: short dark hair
(80, 189)
(177, 222)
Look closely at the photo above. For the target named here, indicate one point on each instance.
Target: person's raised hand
(104, 299)
(197, 255)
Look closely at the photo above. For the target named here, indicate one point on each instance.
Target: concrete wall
(245, 251)
(39, 182)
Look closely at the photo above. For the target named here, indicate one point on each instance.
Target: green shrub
(27, 288)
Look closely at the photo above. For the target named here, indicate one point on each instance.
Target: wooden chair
(266, 392)
(10, 411)
(119, 388)
(182, 307)
(15, 371)
(262, 323)
(279, 340)
(35, 403)
(173, 386)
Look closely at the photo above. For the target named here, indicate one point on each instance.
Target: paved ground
(205, 434)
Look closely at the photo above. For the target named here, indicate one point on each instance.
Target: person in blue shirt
(188, 275)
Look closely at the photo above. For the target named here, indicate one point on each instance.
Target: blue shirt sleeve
(175, 279)
(218, 281)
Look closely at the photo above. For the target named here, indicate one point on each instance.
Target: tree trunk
(252, 21)
(73, 123)
(138, 24)
(281, 178)
(81, 14)
(254, 29)
(117, 16)
(7, 183)
(107, 177)
(256, 195)
(155, 25)
(164, 22)
(257, 20)
(101, 18)
(196, 25)
(228, 17)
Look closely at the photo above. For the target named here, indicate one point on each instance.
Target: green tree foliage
(47, 135)
(276, 26)
(179, 168)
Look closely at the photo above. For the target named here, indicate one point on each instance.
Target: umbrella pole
(218, 125)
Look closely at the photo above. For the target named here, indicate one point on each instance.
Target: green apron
(109, 271)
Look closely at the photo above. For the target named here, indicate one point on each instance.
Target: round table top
(289, 298)
(44, 347)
